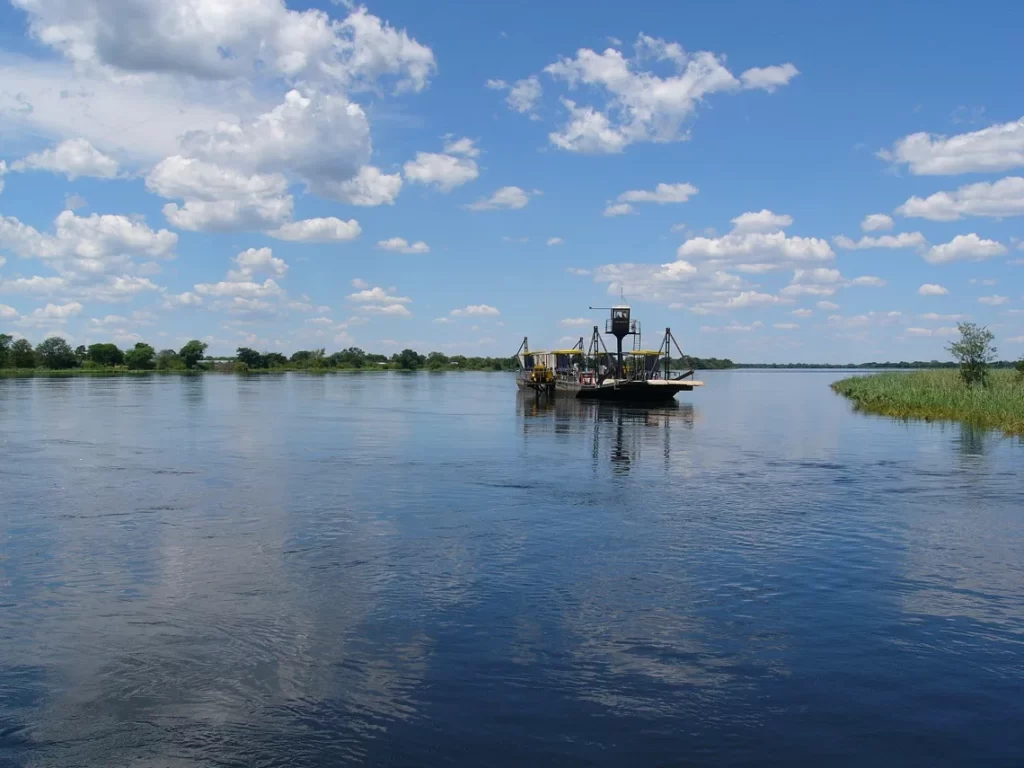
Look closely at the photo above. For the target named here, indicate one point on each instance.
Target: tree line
(56, 354)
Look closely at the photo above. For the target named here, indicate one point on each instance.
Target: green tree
(105, 354)
(437, 361)
(974, 351)
(5, 349)
(275, 360)
(1019, 367)
(56, 353)
(140, 358)
(192, 353)
(250, 357)
(22, 355)
(81, 353)
(407, 360)
(168, 360)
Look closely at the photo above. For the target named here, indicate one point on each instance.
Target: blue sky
(786, 182)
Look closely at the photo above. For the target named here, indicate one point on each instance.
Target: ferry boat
(636, 375)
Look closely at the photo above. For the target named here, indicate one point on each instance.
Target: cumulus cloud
(73, 158)
(932, 289)
(505, 197)
(219, 199)
(786, 326)
(733, 327)
(448, 170)
(257, 261)
(369, 187)
(246, 289)
(321, 230)
(88, 245)
(7, 312)
(760, 221)
(617, 209)
(993, 301)
(225, 39)
(401, 245)
(769, 78)
(964, 248)
(757, 246)
(523, 95)
(996, 200)
(827, 306)
(640, 105)
(996, 148)
(802, 312)
(576, 322)
(51, 314)
(322, 138)
(377, 295)
(874, 222)
(902, 240)
(661, 194)
(394, 310)
(475, 310)
(555, 241)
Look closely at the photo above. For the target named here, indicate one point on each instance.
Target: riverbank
(940, 395)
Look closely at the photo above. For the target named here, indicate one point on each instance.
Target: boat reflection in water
(620, 434)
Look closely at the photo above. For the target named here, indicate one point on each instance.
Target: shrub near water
(941, 394)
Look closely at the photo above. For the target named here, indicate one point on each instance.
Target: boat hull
(657, 391)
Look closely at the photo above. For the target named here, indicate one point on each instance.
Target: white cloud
(475, 310)
(576, 322)
(996, 148)
(578, 271)
(73, 158)
(506, 197)
(902, 240)
(751, 299)
(400, 245)
(7, 312)
(802, 312)
(617, 209)
(186, 299)
(394, 310)
(786, 326)
(760, 221)
(464, 146)
(83, 245)
(757, 268)
(868, 280)
(874, 222)
(219, 199)
(257, 261)
(932, 289)
(369, 187)
(52, 314)
(225, 39)
(934, 316)
(322, 138)
(769, 78)
(445, 171)
(805, 289)
(3, 172)
(999, 199)
(964, 248)
(246, 289)
(35, 285)
(827, 306)
(758, 246)
(358, 283)
(587, 131)
(640, 105)
(993, 301)
(555, 241)
(323, 230)
(865, 320)
(496, 85)
(662, 193)
(943, 332)
(377, 295)
(524, 95)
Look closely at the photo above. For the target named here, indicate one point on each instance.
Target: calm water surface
(427, 569)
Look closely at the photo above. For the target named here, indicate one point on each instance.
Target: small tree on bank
(192, 353)
(56, 354)
(22, 355)
(140, 358)
(974, 351)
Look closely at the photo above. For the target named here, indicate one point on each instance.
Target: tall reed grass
(941, 395)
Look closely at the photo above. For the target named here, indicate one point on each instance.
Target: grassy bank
(941, 395)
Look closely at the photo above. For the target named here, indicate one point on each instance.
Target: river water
(431, 570)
